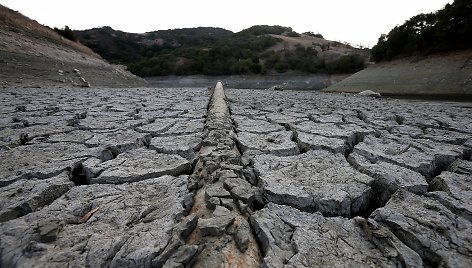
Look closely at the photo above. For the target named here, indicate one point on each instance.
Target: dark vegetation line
(212, 51)
(447, 29)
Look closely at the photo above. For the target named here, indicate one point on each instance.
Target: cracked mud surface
(232, 178)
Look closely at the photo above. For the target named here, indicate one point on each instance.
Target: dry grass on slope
(16, 22)
(330, 50)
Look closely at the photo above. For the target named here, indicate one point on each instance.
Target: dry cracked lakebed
(197, 177)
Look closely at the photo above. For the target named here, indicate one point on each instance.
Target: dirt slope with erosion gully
(32, 55)
(447, 74)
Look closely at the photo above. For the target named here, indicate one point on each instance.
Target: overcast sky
(354, 21)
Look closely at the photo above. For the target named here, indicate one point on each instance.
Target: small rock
(89, 167)
(84, 83)
(242, 236)
(235, 168)
(239, 189)
(211, 166)
(106, 155)
(220, 211)
(246, 161)
(216, 225)
(20, 108)
(249, 174)
(183, 256)
(188, 201)
(192, 183)
(228, 203)
(212, 202)
(186, 253)
(370, 93)
(243, 207)
(276, 88)
(223, 174)
(216, 190)
(243, 193)
(186, 226)
(231, 183)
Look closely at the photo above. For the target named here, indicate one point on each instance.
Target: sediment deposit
(181, 177)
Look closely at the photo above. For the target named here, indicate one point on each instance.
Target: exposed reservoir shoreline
(293, 81)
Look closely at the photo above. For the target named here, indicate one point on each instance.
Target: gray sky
(354, 21)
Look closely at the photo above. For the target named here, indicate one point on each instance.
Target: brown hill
(327, 50)
(34, 55)
(440, 74)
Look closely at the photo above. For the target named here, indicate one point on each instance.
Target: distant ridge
(261, 49)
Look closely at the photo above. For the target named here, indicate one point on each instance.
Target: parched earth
(188, 177)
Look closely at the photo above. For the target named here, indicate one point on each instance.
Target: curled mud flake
(88, 215)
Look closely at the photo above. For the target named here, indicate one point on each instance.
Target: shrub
(293, 34)
(313, 34)
(265, 29)
(67, 33)
(346, 64)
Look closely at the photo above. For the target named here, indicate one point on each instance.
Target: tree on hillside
(445, 30)
(293, 34)
(265, 29)
(67, 33)
(313, 35)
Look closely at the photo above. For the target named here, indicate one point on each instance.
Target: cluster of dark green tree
(447, 29)
(232, 54)
(210, 51)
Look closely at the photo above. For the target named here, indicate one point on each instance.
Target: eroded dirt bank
(32, 55)
(446, 74)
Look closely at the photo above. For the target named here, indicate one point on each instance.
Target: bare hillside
(328, 50)
(440, 74)
(35, 55)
